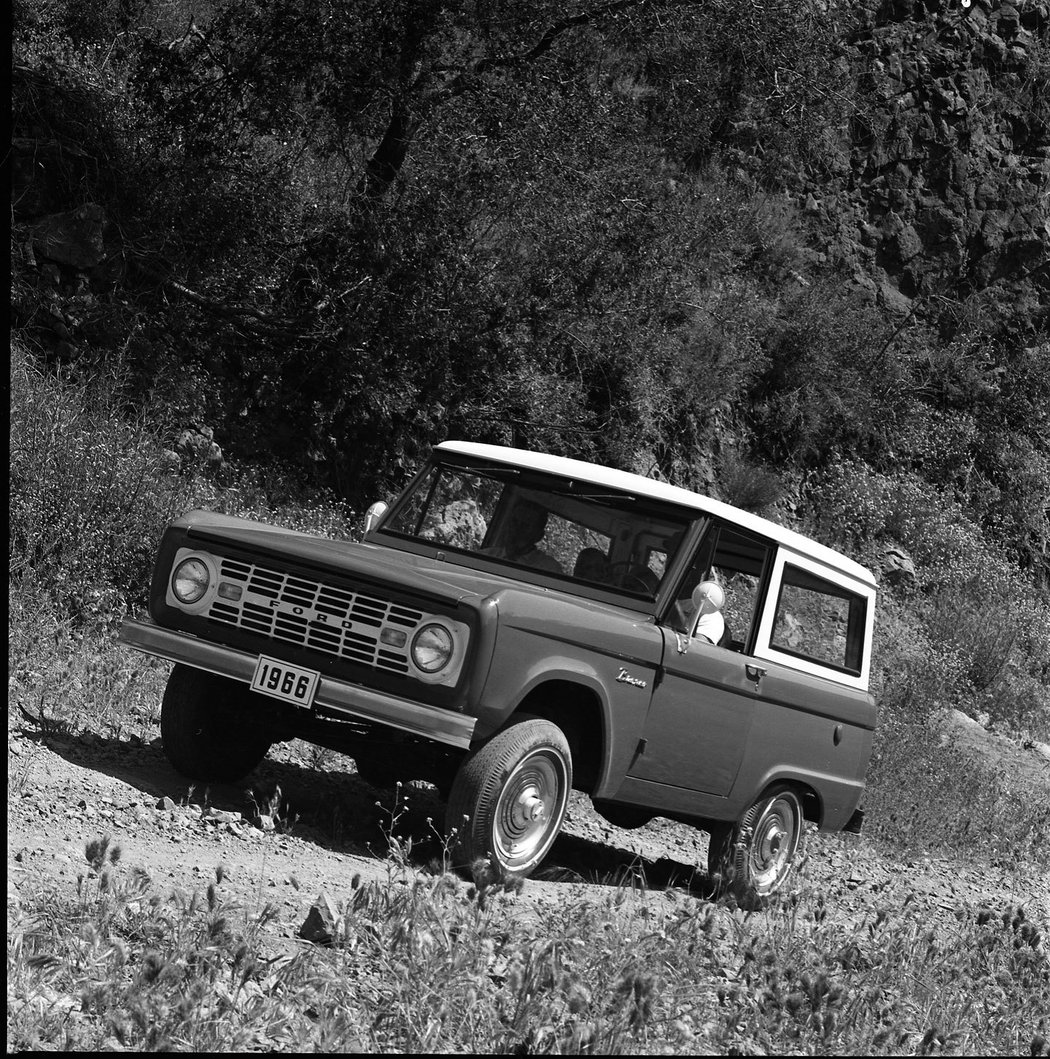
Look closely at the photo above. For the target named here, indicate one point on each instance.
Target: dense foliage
(784, 251)
(663, 235)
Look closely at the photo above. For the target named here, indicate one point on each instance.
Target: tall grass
(433, 964)
(91, 491)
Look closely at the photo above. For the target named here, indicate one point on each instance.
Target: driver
(526, 526)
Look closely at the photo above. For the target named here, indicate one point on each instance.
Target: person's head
(708, 598)
(527, 524)
(591, 565)
(672, 543)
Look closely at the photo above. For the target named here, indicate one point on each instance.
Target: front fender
(533, 650)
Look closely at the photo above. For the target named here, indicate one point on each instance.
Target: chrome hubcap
(530, 810)
(774, 843)
(532, 807)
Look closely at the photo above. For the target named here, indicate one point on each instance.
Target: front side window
(818, 621)
(575, 530)
(734, 561)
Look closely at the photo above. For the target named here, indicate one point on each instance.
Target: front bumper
(337, 696)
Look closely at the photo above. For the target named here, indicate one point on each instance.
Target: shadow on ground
(327, 803)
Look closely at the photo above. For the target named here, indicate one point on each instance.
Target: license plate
(284, 681)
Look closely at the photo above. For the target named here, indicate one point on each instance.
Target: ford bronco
(515, 625)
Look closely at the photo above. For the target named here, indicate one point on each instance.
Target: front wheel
(513, 792)
(202, 726)
(755, 857)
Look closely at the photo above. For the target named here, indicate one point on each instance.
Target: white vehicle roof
(638, 485)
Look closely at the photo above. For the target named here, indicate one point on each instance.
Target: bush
(92, 491)
(924, 794)
(748, 485)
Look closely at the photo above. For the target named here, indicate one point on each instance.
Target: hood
(416, 574)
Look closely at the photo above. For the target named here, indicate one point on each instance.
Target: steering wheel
(621, 573)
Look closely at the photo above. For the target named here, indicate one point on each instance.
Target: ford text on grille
(337, 621)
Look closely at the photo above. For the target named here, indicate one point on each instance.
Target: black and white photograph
(529, 527)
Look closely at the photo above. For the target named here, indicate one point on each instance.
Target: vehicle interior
(735, 561)
(595, 536)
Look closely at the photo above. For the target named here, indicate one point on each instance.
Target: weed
(272, 812)
(417, 964)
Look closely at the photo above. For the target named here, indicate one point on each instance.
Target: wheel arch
(812, 804)
(577, 710)
(806, 786)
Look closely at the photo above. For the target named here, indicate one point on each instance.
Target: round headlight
(432, 648)
(190, 580)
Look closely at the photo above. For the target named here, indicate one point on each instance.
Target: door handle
(754, 673)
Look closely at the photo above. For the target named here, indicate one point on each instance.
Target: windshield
(575, 530)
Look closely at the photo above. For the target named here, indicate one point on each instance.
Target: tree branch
(466, 78)
(243, 316)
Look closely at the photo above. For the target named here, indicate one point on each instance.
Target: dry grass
(927, 794)
(433, 964)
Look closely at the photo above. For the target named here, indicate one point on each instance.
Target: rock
(170, 461)
(898, 568)
(73, 238)
(950, 721)
(221, 816)
(892, 299)
(166, 804)
(58, 326)
(907, 243)
(1008, 22)
(322, 921)
(264, 822)
(197, 445)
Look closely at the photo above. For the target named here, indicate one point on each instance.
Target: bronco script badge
(625, 678)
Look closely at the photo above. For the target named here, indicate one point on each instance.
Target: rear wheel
(755, 857)
(513, 791)
(203, 729)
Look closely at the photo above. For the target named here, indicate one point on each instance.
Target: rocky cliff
(949, 176)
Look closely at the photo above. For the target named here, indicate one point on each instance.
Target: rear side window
(819, 621)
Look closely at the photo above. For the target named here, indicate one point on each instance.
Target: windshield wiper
(601, 497)
(487, 471)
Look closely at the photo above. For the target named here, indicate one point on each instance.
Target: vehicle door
(813, 648)
(703, 705)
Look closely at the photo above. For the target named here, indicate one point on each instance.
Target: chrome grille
(337, 621)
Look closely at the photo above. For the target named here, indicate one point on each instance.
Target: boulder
(73, 238)
(898, 567)
(954, 726)
(196, 445)
(907, 243)
(322, 922)
(892, 299)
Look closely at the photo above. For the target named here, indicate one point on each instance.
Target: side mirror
(708, 597)
(374, 514)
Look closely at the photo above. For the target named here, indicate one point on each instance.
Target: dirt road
(327, 828)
